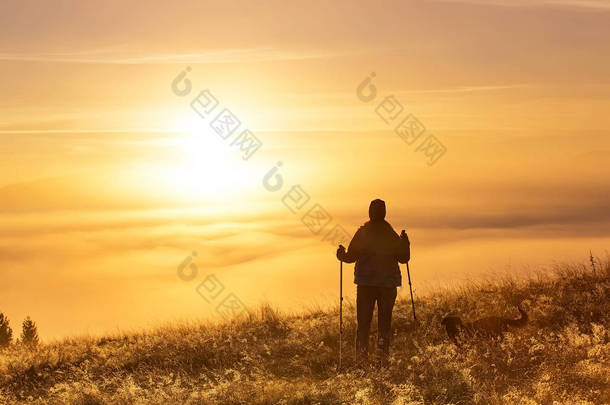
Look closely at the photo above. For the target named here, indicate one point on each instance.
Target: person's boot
(384, 360)
(383, 353)
(362, 359)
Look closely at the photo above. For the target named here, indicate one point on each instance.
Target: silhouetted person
(377, 249)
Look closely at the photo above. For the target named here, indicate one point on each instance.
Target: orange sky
(108, 180)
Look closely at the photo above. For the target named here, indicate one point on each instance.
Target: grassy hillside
(563, 355)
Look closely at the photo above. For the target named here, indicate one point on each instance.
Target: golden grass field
(561, 357)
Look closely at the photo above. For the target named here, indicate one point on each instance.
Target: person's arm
(353, 250)
(404, 248)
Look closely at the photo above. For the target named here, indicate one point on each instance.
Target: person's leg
(385, 305)
(365, 304)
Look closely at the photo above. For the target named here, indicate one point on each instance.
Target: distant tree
(6, 333)
(29, 332)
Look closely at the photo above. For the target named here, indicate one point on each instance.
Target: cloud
(463, 89)
(601, 5)
(233, 55)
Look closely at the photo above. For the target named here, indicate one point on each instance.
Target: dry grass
(562, 356)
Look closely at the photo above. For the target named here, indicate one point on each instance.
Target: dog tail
(519, 323)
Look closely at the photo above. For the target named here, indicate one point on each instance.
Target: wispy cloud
(441, 90)
(464, 89)
(588, 4)
(109, 56)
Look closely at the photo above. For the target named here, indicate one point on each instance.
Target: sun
(203, 166)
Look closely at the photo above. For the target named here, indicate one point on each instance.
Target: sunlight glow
(204, 167)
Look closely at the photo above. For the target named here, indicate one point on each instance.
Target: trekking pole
(411, 290)
(340, 309)
(404, 233)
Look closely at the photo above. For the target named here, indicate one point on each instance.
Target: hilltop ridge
(562, 355)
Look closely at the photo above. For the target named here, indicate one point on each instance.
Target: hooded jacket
(377, 249)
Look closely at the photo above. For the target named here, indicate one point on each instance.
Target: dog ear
(523, 304)
(446, 318)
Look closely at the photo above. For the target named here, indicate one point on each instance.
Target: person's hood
(377, 210)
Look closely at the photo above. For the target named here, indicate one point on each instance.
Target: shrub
(6, 333)
(29, 333)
